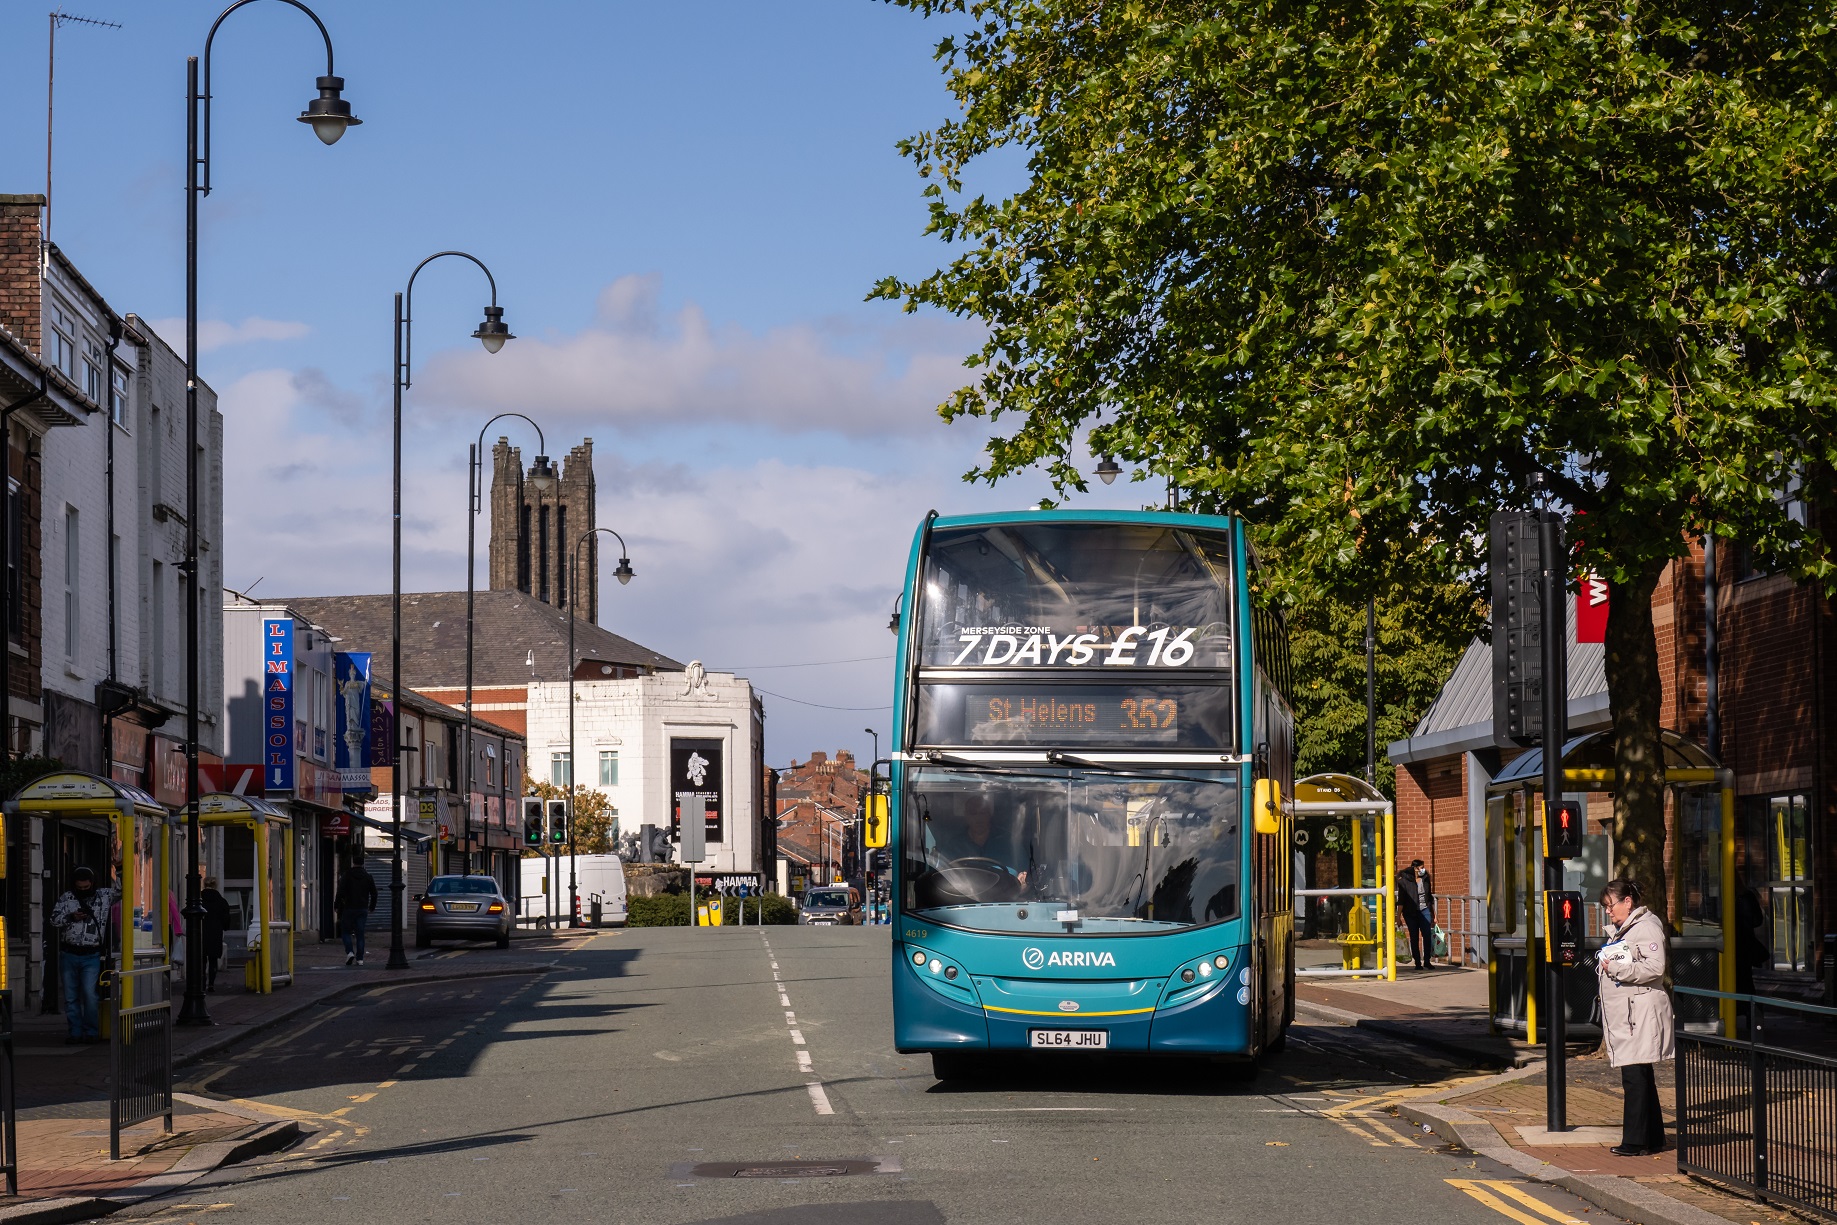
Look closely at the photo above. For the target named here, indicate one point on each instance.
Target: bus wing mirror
(1267, 803)
(876, 833)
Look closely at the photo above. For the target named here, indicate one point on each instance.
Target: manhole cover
(785, 1169)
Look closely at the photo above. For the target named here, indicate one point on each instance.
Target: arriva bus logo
(1034, 959)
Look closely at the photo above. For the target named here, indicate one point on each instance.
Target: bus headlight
(1186, 975)
(1222, 961)
(918, 958)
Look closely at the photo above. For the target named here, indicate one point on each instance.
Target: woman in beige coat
(1636, 1019)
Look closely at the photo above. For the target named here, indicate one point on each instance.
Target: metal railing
(1462, 917)
(1757, 1116)
(140, 1051)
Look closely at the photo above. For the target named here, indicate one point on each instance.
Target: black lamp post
(624, 575)
(329, 114)
(542, 476)
(492, 333)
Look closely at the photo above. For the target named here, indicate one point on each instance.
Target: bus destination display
(1123, 715)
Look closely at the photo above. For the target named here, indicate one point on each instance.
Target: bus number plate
(1068, 1039)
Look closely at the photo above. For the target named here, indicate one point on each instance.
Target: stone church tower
(533, 533)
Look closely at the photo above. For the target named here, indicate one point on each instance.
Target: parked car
(465, 908)
(830, 906)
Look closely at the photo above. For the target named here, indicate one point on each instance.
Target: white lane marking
(818, 1098)
(784, 999)
(790, 1017)
(797, 1036)
(803, 1062)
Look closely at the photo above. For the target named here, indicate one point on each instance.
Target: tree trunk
(1639, 759)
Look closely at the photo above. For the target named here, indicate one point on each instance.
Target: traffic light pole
(1553, 559)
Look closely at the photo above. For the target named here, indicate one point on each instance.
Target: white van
(593, 874)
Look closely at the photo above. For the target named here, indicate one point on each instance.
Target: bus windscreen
(1102, 596)
(1069, 852)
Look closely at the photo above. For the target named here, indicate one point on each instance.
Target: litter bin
(595, 908)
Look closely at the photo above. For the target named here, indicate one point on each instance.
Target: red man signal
(1565, 926)
(1563, 831)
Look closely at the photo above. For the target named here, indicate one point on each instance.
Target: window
(609, 767)
(93, 361)
(63, 340)
(122, 386)
(71, 561)
(15, 515)
(490, 752)
(561, 769)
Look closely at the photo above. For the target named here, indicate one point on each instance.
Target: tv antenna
(58, 17)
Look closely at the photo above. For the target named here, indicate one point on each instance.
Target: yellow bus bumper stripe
(1069, 1016)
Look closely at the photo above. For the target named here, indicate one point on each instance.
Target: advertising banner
(696, 784)
(382, 732)
(277, 713)
(1591, 609)
(351, 747)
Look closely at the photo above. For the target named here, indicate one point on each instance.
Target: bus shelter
(270, 918)
(1701, 857)
(1345, 840)
(121, 834)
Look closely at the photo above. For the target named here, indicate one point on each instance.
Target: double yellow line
(1493, 1193)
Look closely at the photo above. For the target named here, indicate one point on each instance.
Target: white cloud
(218, 333)
(634, 369)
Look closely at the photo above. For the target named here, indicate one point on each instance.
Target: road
(633, 1081)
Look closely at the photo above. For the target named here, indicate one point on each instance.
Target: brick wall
(21, 286)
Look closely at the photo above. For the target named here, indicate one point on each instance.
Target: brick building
(1774, 685)
(816, 800)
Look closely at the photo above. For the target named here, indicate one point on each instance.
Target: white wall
(637, 718)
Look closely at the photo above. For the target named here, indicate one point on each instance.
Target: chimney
(22, 282)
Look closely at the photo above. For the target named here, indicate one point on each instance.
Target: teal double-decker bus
(1092, 840)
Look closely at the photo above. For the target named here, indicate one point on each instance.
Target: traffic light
(532, 821)
(1516, 574)
(875, 833)
(1564, 927)
(1563, 831)
(558, 822)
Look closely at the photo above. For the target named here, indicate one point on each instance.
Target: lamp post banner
(351, 751)
(695, 770)
(277, 713)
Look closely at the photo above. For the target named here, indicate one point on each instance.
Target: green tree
(1421, 633)
(593, 816)
(1360, 268)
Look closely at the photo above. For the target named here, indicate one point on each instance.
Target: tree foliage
(1421, 631)
(1359, 268)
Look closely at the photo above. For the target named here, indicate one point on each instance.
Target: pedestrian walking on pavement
(1636, 1019)
(1416, 899)
(217, 918)
(356, 898)
(80, 918)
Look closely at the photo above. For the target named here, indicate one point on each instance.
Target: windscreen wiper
(1076, 762)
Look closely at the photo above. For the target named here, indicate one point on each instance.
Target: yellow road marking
(1488, 1191)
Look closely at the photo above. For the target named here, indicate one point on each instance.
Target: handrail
(1766, 1001)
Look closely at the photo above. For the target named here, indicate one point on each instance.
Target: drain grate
(787, 1169)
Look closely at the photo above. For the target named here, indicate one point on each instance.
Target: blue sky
(684, 205)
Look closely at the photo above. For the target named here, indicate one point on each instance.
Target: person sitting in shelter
(80, 918)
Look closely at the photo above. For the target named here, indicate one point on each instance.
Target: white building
(638, 742)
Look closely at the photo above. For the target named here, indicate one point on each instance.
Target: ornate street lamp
(329, 114)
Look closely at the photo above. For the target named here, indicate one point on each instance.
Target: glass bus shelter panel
(147, 903)
(1333, 853)
(1067, 853)
(1065, 594)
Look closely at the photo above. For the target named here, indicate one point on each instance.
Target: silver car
(829, 906)
(463, 908)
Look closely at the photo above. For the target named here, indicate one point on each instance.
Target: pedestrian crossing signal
(1565, 926)
(1563, 831)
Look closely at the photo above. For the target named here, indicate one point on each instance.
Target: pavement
(62, 1091)
(1503, 1117)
